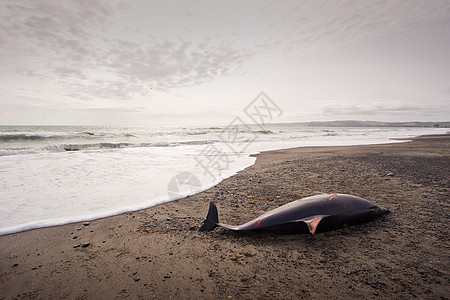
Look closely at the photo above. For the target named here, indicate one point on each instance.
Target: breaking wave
(96, 146)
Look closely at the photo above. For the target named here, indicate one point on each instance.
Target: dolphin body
(313, 214)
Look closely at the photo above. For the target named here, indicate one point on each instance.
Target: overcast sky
(201, 62)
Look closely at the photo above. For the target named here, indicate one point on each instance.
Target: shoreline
(56, 222)
(157, 252)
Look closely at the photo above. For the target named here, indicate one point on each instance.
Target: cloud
(44, 27)
(69, 42)
(321, 26)
(165, 63)
(385, 109)
(68, 72)
(137, 68)
(143, 53)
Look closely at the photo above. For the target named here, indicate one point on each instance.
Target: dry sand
(158, 253)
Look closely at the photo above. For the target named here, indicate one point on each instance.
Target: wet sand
(158, 252)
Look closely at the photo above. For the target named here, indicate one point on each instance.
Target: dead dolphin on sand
(313, 214)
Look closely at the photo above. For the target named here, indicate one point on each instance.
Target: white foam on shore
(47, 189)
(51, 189)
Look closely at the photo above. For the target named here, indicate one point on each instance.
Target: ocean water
(53, 175)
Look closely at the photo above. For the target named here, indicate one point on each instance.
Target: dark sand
(158, 253)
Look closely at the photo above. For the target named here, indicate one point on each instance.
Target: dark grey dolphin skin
(313, 214)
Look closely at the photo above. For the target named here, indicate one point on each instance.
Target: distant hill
(352, 123)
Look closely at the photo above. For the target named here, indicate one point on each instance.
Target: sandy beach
(157, 253)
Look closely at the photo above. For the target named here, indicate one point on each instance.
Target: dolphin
(313, 214)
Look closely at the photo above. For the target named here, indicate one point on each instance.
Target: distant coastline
(353, 123)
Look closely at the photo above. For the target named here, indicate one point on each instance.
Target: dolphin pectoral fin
(312, 222)
(312, 226)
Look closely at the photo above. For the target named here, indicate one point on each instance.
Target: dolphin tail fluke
(212, 219)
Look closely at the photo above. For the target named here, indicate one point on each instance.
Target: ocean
(54, 175)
